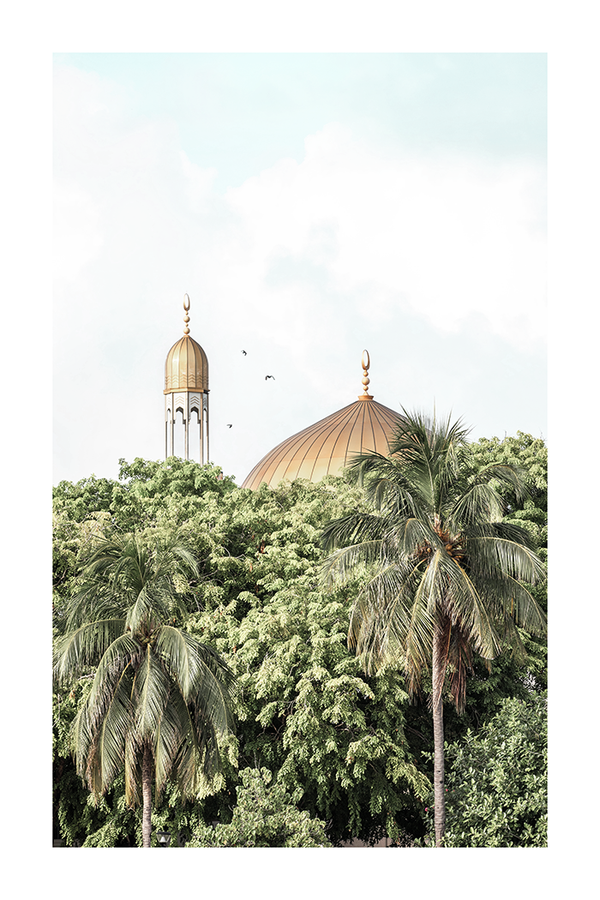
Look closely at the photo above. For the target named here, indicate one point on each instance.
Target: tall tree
(159, 697)
(446, 572)
(498, 779)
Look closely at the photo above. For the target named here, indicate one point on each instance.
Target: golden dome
(326, 447)
(186, 366)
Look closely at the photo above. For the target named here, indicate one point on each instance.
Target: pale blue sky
(241, 112)
(312, 205)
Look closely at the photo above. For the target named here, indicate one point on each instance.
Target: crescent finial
(186, 318)
(366, 362)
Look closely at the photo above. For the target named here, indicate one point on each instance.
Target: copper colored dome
(186, 367)
(326, 447)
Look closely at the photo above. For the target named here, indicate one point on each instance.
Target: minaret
(186, 392)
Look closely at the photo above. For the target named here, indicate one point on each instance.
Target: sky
(312, 205)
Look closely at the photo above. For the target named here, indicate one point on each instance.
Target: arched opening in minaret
(168, 431)
(194, 437)
(178, 448)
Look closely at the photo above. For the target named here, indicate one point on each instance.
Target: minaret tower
(186, 392)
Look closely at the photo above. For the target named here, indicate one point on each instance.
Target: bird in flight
(244, 352)
(270, 376)
(230, 426)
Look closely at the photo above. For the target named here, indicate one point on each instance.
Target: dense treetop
(347, 750)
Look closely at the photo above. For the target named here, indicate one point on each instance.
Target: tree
(264, 816)
(334, 738)
(498, 779)
(159, 698)
(446, 572)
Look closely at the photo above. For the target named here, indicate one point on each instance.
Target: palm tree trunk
(438, 673)
(147, 768)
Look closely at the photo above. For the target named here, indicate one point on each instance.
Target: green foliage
(447, 570)
(92, 506)
(530, 455)
(497, 780)
(334, 738)
(444, 561)
(157, 694)
(265, 815)
(79, 819)
(346, 748)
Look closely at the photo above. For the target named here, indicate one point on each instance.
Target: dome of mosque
(186, 366)
(326, 447)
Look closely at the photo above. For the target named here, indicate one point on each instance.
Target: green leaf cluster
(497, 780)
(343, 748)
(265, 815)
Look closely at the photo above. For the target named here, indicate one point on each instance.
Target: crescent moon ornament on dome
(366, 380)
(186, 318)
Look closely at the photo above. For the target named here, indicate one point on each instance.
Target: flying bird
(244, 352)
(270, 376)
(230, 426)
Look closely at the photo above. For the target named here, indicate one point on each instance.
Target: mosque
(324, 448)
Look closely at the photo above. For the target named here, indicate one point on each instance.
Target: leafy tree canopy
(265, 815)
(531, 456)
(348, 749)
(497, 780)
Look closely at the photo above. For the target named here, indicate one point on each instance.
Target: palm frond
(149, 606)
(492, 557)
(133, 769)
(339, 566)
(99, 732)
(117, 656)
(175, 741)
(460, 659)
(412, 534)
(459, 598)
(92, 603)
(74, 653)
(114, 730)
(351, 529)
(384, 618)
(204, 682)
(214, 684)
(151, 689)
(513, 477)
(480, 503)
(519, 605)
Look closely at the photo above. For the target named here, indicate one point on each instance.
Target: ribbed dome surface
(327, 446)
(186, 367)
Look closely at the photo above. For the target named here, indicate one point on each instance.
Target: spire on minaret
(186, 318)
(366, 380)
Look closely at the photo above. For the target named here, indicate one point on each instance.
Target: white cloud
(77, 236)
(299, 261)
(446, 238)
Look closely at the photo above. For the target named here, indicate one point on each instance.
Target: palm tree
(159, 697)
(446, 576)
